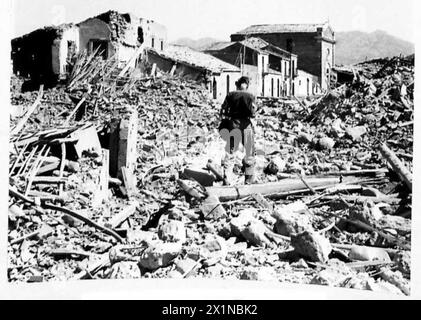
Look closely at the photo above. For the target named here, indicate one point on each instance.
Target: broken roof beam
(21, 123)
(397, 165)
(229, 193)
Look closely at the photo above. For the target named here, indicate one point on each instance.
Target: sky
(220, 18)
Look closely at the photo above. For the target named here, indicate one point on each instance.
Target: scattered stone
(276, 165)
(362, 253)
(403, 262)
(137, 236)
(159, 255)
(172, 231)
(335, 273)
(300, 264)
(239, 223)
(396, 278)
(304, 137)
(355, 133)
(212, 209)
(325, 143)
(312, 245)
(124, 270)
(213, 250)
(254, 233)
(292, 219)
(185, 265)
(259, 274)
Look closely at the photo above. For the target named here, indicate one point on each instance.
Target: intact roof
(254, 43)
(196, 58)
(282, 28)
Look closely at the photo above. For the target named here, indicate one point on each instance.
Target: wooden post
(403, 172)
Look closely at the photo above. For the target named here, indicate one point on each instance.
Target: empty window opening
(271, 87)
(153, 43)
(140, 35)
(228, 83)
(214, 88)
(101, 46)
(162, 45)
(308, 87)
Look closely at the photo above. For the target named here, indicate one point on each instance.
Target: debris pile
(118, 176)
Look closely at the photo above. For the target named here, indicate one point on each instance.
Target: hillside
(352, 46)
(355, 46)
(199, 44)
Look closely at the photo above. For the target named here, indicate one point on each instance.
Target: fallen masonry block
(258, 274)
(201, 176)
(363, 253)
(159, 255)
(325, 143)
(124, 270)
(312, 245)
(239, 223)
(255, 232)
(355, 133)
(172, 231)
(123, 139)
(212, 209)
(213, 250)
(87, 140)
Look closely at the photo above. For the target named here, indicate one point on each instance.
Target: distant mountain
(199, 44)
(356, 46)
(351, 46)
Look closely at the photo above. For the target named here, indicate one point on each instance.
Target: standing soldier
(236, 126)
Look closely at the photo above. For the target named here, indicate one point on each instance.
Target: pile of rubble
(117, 176)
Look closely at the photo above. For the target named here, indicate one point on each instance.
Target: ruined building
(273, 71)
(218, 75)
(44, 55)
(314, 44)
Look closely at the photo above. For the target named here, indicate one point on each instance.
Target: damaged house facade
(45, 54)
(269, 68)
(314, 44)
(272, 70)
(218, 75)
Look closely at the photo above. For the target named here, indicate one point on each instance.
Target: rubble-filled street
(117, 175)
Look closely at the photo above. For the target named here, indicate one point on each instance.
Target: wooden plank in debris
(129, 181)
(131, 61)
(123, 215)
(403, 172)
(21, 123)
(228, 193)
(77, 106)
(74, 214)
